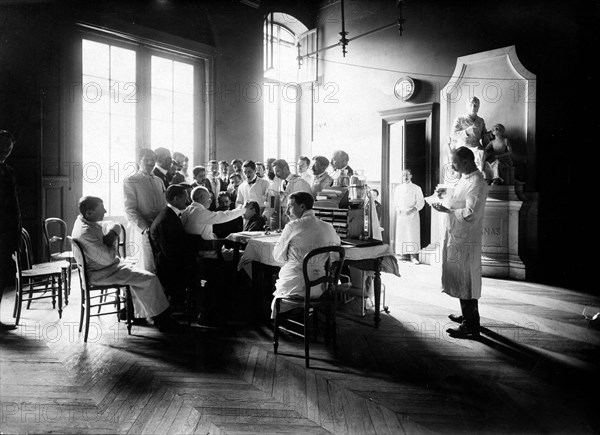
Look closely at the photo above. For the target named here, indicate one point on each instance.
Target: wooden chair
(328, 301)
(36, 280)
(58, 247)
(123, 246)
(96, 295)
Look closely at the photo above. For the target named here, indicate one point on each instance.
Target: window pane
(162, 73)
(183, 140)
(95, 58)
(109, 123)
(183, 80)
(183, 108)
(96, 94)
(162, 134)
(162, 105)
(122, 65)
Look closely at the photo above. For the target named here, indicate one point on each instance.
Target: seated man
(253, 220)
(301, 235)
(99, 241)
(197, 219)
(226, 228)
(497, 155)
(173, 250)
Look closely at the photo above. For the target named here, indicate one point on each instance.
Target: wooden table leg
(61, 282)
(377, 290)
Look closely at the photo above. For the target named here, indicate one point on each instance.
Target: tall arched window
(282, 91)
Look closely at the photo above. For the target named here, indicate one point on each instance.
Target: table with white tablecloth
(258, 253)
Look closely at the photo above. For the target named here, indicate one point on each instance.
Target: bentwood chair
(332, 267)
(99, 295)
(36, 281)
(58, 247)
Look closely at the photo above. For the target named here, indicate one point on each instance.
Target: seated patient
(497, 155)
(253, 220)
(226, 228)
(99, 241)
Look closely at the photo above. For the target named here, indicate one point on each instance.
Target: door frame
(428, 112)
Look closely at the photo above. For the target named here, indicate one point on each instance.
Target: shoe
(463, 331)
(415, 261)
(455, 318)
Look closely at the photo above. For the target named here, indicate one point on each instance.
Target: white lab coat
(461, 249)
(298, 238)
(408, 226)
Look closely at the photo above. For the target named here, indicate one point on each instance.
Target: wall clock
(404, 89)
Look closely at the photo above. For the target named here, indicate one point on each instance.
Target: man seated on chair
(199, 220)
(99, 241)
(174, 253)
(301, 235)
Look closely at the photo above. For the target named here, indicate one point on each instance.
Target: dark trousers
(470, 312)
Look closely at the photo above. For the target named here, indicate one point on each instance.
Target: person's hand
(110, 238)
(439, 207)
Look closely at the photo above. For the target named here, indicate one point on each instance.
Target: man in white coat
(461, 249)
(301, 235)
(408, 200)
(145, 198)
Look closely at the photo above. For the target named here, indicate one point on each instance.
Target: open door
(409, 141)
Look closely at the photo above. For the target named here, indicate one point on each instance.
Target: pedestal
(500, 236)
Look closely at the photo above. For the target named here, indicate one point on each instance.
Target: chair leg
(306, 337)
(129, 308)
(276, 327)
(53, 289)
(59, 291)
(87, 319)
(18, 302)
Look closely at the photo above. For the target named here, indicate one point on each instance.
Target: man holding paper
(461, 249)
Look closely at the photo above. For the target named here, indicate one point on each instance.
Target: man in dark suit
(10, 217)
(216, 183)
(173, 249)
(164, 168)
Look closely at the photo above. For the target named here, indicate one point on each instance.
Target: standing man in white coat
(461, 249)
(145, 198)
(408, 200)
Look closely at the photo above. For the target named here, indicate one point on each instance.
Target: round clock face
(404, 88)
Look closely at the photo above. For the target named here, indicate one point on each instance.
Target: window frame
(172, 48)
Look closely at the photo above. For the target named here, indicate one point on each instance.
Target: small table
(258, 253)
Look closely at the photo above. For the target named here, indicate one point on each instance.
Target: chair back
(122, 243)
(81, 264)
(25, 250)
(331, 267)
(55, 236)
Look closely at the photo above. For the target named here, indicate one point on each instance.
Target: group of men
(169, 224)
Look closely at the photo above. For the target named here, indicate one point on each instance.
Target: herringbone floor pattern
(527, 374)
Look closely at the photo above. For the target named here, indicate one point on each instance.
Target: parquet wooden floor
(531, 371)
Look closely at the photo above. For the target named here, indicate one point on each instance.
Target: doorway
(408, 139)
